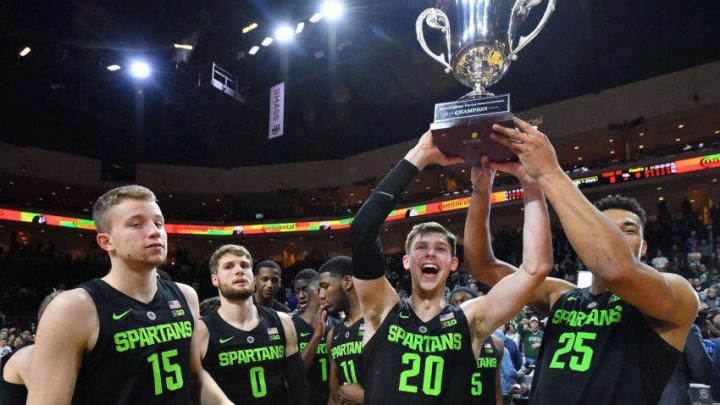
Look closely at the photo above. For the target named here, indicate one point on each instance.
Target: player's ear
(454, 264)
(406, 262)
(347, 283)
(104, 240)
(643, 248)
(214, 280)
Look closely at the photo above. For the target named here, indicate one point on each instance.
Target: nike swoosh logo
(335, 337)
(303, 334)
(403, 315)
(223, 341)
(571, 298)
(116, 317)
(392, 197)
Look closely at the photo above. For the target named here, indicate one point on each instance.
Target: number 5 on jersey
(574, 342)
(172, 382)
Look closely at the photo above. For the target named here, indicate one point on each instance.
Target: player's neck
(597, 286)
(241, 314)
(308, 315)
(426, 307)
(353, 313)
(260, 300)
(137, 283)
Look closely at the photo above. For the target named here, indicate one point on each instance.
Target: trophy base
(463, 128)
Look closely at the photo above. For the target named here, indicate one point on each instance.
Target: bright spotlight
(332, 9)
(113, 68)
(140, 70)
(300, 27)
(316, 17)
(254, 50)
(183, 46)
(267, 41)
(284, 33)
(25, 51)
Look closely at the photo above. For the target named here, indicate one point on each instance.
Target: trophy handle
(522, 7)
(438, 20)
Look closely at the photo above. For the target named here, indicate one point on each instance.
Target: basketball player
(488, 363)
(267, 283)
(616, 342)
(125, 338)
(420, 350)
(344, 341)
(250, 350)
(16, 371)
(310, 326)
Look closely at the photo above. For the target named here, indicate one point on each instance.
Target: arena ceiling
(372, 87)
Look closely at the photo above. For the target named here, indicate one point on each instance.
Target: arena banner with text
(688, 165)
(277, 110)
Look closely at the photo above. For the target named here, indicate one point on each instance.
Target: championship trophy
(480, 36)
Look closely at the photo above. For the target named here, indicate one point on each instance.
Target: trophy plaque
(479, 36)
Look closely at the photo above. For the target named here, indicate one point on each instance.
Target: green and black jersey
(482, 384)
(249, 366)
(346, 351)
(600, 349)
(408, 361)
(142, 353)
(318, 376)
(11, 394)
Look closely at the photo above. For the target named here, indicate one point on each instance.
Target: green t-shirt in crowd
(527, 338)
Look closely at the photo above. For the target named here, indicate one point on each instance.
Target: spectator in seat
(660, 262)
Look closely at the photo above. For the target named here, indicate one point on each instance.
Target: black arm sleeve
(368, 263)
(298, 390)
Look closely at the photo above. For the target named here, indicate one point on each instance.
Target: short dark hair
(306, 274)
(209, 305)
(472, 293)
(621, 202)
(339, 266)
(269, 264)
(309, 275)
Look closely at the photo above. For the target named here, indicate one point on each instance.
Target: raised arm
(599, 242)
(510, 294)
(479, 256)
(68, 326)
(308, 353)
(376, 294)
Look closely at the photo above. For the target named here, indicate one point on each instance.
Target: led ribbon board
(689, 165)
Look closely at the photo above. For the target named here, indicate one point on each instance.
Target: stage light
(332, 9)
(300, 27)
(181, 46)
(141, 70)
(284, 34)
(267, 41)
(254, 50)
(316, 17)
(249, 28)
(113, 68)
(25, 51)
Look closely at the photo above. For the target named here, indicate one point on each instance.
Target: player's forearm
(537, 243)
(308, 354)
(210, 392)
(353, 393)
(479, 256)
(597, 241)
(368, 262)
